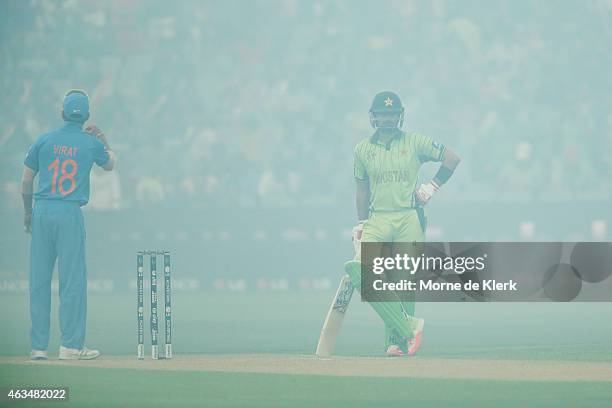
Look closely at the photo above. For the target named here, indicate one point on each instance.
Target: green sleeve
(428, 149)
(359, 167)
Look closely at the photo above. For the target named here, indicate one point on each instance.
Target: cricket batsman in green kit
(390, 207)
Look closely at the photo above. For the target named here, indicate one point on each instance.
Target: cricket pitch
(415, 367)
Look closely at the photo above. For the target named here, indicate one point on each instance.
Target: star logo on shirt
(388, 101)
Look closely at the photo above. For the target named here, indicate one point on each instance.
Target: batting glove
(357, 232)
(425, 192)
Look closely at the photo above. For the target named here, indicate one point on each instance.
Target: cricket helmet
(387, 111)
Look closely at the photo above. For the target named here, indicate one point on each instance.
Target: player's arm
(27, 191)
(362, 193)
(362, 199)
(112, 158)
(450, 161)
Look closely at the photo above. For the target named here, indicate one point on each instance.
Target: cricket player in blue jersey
(63, 159)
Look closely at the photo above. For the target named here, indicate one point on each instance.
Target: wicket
(154, 324)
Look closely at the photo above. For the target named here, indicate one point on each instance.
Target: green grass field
(283, 323)
(92, 387)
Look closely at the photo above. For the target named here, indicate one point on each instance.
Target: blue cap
(76, 106)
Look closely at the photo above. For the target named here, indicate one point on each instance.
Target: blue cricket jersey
(63, 159)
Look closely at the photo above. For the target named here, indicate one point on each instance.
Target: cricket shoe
(394, 351)
(66, 353)
(38, 355)
(415, 342)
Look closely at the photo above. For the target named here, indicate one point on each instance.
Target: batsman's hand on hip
(424, 193)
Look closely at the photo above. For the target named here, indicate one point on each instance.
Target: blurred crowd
(259, 103)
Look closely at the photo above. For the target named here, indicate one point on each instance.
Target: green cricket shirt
(392, 169)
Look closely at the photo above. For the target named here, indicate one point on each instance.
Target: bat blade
(335, 317)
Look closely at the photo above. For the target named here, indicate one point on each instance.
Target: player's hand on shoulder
(95, 131)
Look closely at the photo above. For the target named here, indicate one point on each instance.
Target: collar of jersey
(375, 139)
(73, 125)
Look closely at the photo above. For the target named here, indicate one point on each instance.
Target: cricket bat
(334, 318)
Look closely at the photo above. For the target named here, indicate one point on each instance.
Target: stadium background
(234, 124)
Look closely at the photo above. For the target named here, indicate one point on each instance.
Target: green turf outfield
(95, 387)
(290, 323)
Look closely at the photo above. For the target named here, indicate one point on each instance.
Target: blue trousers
(58, 233)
